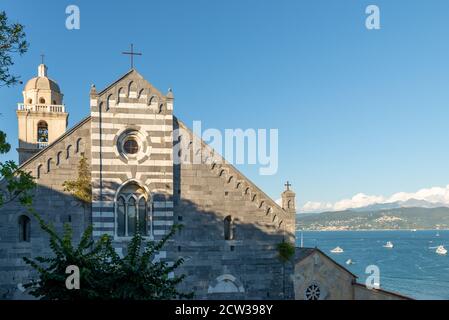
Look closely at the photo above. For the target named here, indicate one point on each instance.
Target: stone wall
(246, 267)
(334, 282)
(52, 166)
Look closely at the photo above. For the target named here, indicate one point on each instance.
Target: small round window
(313, 292)
(131, 146)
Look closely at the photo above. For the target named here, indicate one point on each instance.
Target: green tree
(81, 188)
(103, 273)
(286, 252)
(12, 41)
(15, 183)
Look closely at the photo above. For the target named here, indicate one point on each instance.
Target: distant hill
(401, 204)
(377, 218)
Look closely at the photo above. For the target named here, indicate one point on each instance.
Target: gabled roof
(118, 80)
(303, 253)
(134, 75)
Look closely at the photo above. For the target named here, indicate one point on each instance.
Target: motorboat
(388, 245)
(441, 250)
(337, 250)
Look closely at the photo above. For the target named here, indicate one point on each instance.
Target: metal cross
(288, 185)
(132, 54)
(42, 58)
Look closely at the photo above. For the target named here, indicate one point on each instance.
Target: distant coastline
(409, 218)
(365, 230)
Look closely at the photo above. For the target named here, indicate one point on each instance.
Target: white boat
(337, 250)
(388, 245)
(441, 250)
(413, 230)
(438, 234)
(349, 261)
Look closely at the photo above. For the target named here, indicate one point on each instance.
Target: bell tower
(41, 116)
(288, 199)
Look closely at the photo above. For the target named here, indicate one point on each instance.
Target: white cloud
(433, 195)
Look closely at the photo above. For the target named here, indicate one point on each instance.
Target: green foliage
(16, 184)
(286, 251)
(104, 274)
(81, 188)
(4, 145)
(12, 40)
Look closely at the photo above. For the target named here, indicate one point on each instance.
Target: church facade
(141, 180)
(149, 172)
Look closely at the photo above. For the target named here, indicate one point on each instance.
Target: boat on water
(349, 262)
(388, 245)
(337, 250)
(438, 234)
(413, 230)
(441, 250)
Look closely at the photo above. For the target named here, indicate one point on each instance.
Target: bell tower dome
(41, 116)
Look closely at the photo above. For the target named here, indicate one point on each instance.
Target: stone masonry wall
(50, 201)
(205, 194)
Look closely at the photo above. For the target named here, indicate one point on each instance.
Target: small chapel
(131, 139)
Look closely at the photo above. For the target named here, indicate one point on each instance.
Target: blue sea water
(411, 268)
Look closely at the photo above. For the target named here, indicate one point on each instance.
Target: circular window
(313, 292)
(131, 146)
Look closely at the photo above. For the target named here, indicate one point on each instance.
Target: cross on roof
(42, 58)
(288, 185)
(132, 54)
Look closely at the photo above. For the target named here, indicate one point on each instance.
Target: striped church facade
(131, 107)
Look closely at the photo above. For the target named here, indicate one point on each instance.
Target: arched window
(58, 158)
(142, 223)
(49, 161)
(132, 90)
(132, 212)
(42, 132)
(30, 101)
(121, 217)
(119, 95)
(140, 93)
(24, 229)
(68, 151)
(39, 169)
(42, 100)
(108, 102)
(228, 228)
(78, 145)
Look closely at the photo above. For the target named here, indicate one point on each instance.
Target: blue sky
(358, 111)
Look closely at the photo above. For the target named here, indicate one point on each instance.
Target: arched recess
(24, 228)
(78, 145)
(226, 283)
(132, 90)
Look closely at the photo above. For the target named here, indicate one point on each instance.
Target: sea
(411, 268)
